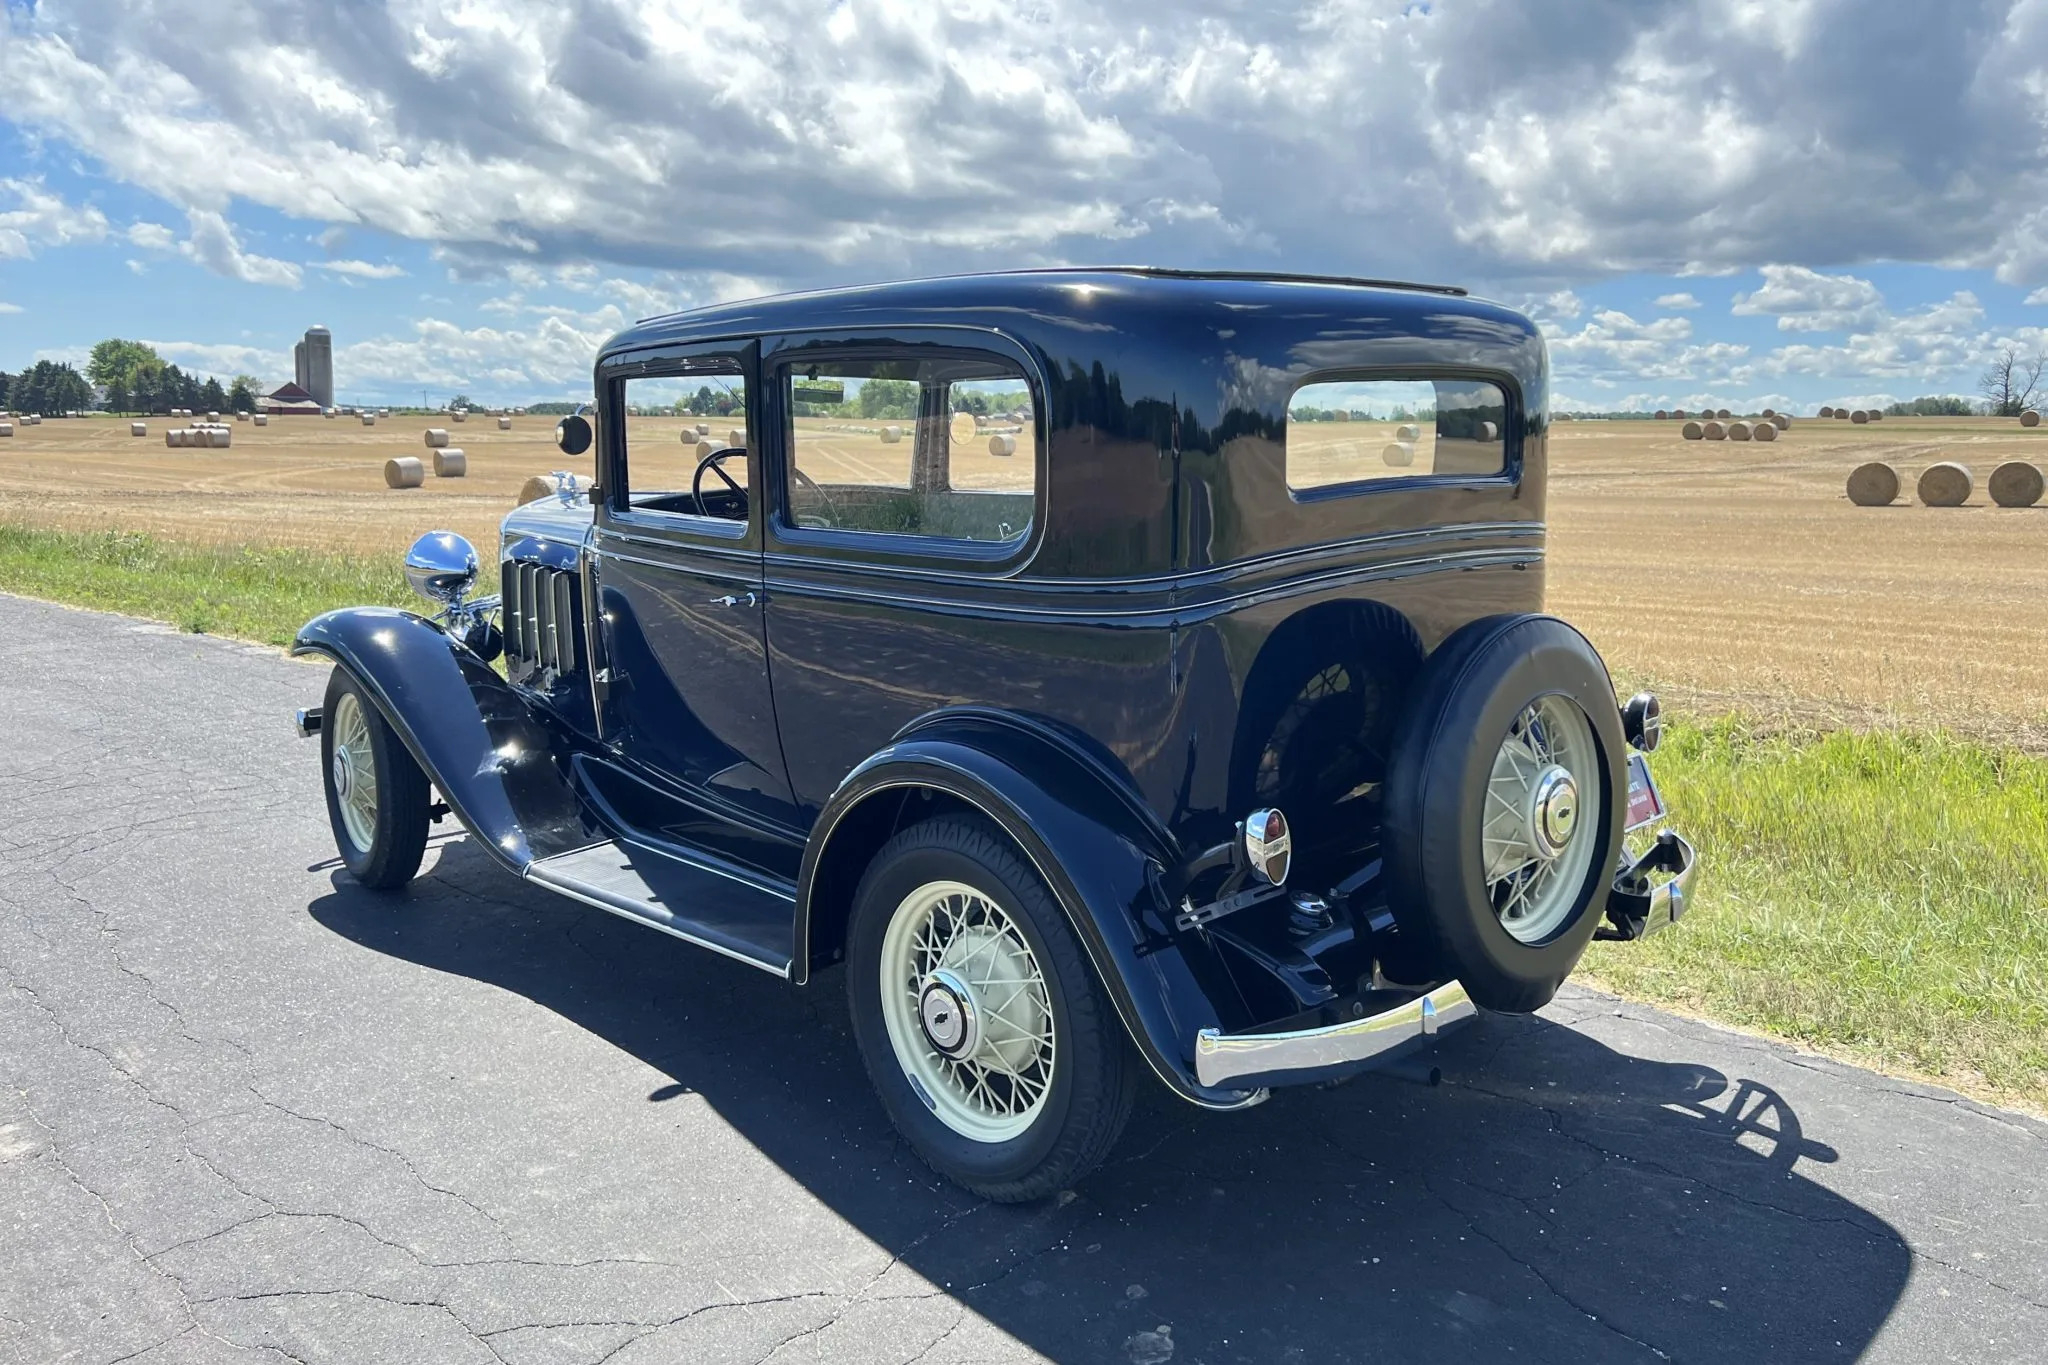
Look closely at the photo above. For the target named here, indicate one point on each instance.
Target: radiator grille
(543, 619)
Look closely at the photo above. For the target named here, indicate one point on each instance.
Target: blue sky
(1703, 201)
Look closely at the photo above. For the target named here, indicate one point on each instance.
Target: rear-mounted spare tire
(1501, 827)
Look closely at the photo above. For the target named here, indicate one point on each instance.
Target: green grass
(253, 594)
(1882, 895)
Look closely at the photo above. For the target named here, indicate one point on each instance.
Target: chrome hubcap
(946, 1012)
(1536, 862)
(1553, 812)
(968, 1011)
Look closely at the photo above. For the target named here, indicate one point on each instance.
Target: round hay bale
(450, 464)
(174, 438)
(1002, 445)
(1661, 414)
(1945, 485)
(6, 428)
(1343, 416)
(1723, 414)
(1841, 414)
(703, 447)
(1738, 431)
(369, 419)
(1714, 431)
(138, 428)
(459, 415)
(1873, 485)
(891, 435)
(703, 428)
(1408, 432)
(261, 419)
(1876, 416)
(504, 424)
(220, 438)
(1399, 454)
(961, 428)
(1827, 412)
(1782, 422)
(1692, 431)
(2030, 418)
(241, 417)
(537, 486)
(331, 413)
(1764, 431)
(213, 417)
(437, 437)
(736, 437)
(1859, 417)
(2016, 484)
(1769, 413)
(1487, 432)
(404, 472)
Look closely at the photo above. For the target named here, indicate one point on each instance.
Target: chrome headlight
(442, 567)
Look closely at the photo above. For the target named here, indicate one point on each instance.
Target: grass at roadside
(1882, 895)
(253, 594)
(1879, 894)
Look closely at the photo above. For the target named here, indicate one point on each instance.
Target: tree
(5, 380)
(888, 398)
(51, 390)
(2012, 382)
(460, 400)
(242, 393)
(212, 397)
(1933, 405)
(114, 361)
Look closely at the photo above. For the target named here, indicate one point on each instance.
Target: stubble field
(1735, 576)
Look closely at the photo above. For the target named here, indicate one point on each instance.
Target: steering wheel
(715, 463)
(831, 507)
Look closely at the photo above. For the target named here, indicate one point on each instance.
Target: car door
(678, 556)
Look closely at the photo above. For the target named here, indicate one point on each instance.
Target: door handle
(742, 599)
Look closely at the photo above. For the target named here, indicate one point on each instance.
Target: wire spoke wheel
(353, 772)
(968, 1011)
(1535, 842)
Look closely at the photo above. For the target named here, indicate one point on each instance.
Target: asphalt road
(251, 1112)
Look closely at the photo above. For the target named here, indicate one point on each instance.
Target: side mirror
(572, 434)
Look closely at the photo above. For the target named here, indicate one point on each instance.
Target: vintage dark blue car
(1120, 671)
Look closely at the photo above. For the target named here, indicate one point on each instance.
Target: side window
(1344, 431)
(937, 446)
(676, 427)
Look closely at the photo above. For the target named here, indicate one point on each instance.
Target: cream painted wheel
(1538, 836)
(968, 1011)
(353, 773)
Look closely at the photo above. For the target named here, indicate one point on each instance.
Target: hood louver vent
(543, 620)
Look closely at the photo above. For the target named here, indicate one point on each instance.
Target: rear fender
(499, 761)
(1088, 836)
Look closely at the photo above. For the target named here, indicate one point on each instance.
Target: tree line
(134, 378)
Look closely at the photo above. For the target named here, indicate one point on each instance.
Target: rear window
(1359, 431)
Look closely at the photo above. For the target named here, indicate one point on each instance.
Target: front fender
(499, 762)
(1102, 858)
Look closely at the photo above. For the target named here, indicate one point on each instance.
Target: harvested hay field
(1735, 576)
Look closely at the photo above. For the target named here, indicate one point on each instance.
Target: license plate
(1645, 806)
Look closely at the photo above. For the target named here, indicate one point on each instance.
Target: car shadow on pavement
(1553, 1199)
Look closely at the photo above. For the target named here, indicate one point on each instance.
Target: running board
(738, 917)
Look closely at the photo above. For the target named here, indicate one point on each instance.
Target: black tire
(1466, 697)
(398, 837)
(1094, 1073)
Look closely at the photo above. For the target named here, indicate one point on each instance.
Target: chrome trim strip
(1221, 1059)
(590, 895)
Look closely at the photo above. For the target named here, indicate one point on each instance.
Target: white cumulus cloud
(214, 245)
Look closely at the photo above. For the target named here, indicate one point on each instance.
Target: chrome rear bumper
(1252, 1059)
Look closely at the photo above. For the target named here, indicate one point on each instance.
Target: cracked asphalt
(251, 1112)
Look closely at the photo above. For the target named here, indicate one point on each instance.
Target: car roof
(1046, 294)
